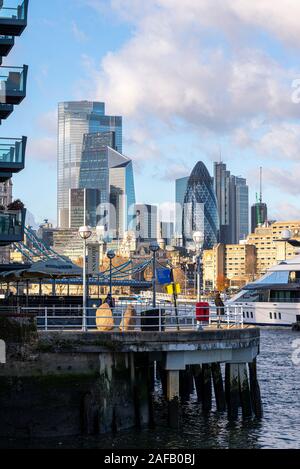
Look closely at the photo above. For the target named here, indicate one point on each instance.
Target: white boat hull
(269, 314)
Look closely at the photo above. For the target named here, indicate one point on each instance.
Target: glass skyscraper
(233, 205)
(122, 193)
(181, 188)
(200, 211)
(75, 120)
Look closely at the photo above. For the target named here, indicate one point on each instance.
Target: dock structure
(76, 382)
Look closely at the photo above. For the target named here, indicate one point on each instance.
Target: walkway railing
(134, 318)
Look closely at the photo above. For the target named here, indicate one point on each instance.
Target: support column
(245, 394)
(232, 390)
(218, 387)
(163, 378)
(173, 398)
(255, 390)
(206, 388)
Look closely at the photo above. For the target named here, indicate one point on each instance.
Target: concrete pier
(71, 383)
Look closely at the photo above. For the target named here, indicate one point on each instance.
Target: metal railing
(132, 318)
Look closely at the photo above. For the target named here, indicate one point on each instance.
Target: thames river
(279, 377)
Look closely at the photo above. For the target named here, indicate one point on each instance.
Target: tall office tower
(145, 224)
(122, 194)
(75, 120)
(233, 205)
(84, 208)
(13, 87)
(242, 208)
(166, 231)
(181, 188)
(200, 211)
(259, 211)
(259, 215)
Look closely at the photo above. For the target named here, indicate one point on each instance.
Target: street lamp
(154, 248)
(198, 238)
(111, 255)
(85, 232)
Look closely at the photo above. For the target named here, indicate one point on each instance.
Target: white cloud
(78, 33)
(43, 149)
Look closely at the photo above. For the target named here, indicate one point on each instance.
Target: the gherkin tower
(200, 211)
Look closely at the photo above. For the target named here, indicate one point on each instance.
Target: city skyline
(250, 134)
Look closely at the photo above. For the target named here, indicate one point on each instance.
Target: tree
(223, 283)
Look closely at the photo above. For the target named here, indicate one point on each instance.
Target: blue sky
(192, 79)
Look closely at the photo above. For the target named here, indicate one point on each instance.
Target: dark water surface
(280, 428)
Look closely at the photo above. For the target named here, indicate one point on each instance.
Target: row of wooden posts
(239, 389)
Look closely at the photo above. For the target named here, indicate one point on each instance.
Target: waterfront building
(247, 261)
(13, 85)
(233, 205)
(180, 192)
(200, 211)
(75, 121)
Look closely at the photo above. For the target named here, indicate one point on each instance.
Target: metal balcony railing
(12, 224)
(13, 83)
(13, 20)
(12, 153)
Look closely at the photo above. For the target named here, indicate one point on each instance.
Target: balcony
(12, 225)
(13, 21)
(6, 45)
(12, 157)
(5, 111)
(13, 81)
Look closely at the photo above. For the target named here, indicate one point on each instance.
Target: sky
(194, 80)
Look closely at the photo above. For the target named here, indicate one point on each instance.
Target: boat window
(275, 315)
(279, 315)
(252, 315)
(281, 277)
(271, 316)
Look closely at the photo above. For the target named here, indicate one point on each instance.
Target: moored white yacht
(273, 300)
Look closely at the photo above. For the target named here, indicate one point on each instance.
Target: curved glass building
(200, 212)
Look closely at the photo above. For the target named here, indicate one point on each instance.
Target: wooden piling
(245, 395)
(218, 387)
(232, 390)
(173, 399)
(255, 390)
(206, 388)
(197, 374)
(186, 383)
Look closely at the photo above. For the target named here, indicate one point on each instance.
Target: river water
(279, 377)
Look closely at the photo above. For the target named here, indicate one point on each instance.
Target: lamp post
(85, 232)
(154, 248)
(198, 238)
(111, 255)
